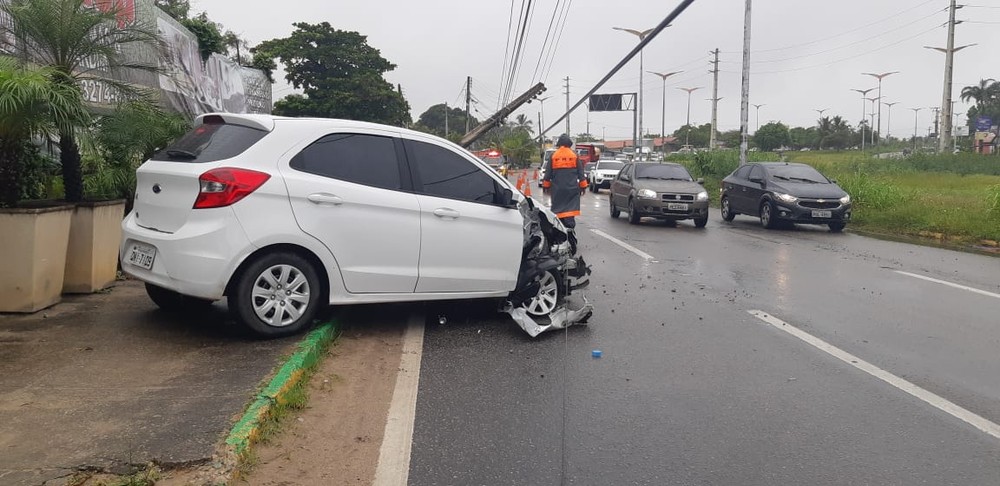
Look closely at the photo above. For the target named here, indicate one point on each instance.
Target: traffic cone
(520, 182)
(536, 174)
(527, 189)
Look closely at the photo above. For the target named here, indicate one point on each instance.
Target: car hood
(680, 187)
(801, 189)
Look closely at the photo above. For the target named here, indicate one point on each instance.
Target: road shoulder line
(640, 253)
(949, 284)
(930, 398)
(394, 454)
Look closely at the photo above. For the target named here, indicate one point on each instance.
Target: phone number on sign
(99, 92)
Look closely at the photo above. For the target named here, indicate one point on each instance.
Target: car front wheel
(700, 222)
(276, 295)
(633, 216)
(767, 218)
(727, 210)
(550, 294)
(837, 227)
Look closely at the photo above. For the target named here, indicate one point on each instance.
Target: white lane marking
(935, 401)
(394, 455)
(944, 282)
(624, 245)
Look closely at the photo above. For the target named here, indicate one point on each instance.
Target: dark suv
(784, 192)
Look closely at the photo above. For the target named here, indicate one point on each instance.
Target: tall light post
(641, 34)
(663, 110)
(874, 101)
(888, 121)
(864, 92)
(687, 134)
(916, 112)
(758, 114)
(824, 110)
(880, 77)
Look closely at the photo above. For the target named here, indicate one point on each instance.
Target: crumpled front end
(549, 249)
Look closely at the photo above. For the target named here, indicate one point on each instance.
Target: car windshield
(664, 172)
(609, 165)
(797, 173)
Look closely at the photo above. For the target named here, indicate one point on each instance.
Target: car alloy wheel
(633, 216)
(767, 215)
(727, 212)
(547, 297)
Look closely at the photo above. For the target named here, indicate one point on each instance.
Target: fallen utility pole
(642, 44)
(497, 118)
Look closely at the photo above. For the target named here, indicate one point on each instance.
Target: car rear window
(211, 142)
(608, 165)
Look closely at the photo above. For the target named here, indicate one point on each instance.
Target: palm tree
(78, 42)
(987, 90)
(824, 128)
(522, 122)
(31, 104)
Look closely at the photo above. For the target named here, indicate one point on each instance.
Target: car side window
(743, 172)
(756, 172)
(447, 174)
(362, 159)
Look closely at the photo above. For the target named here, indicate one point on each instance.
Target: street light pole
(888, 121)
(879, 77)
(916, 112)
(864, 92)
(641, 34)
(758, 115)
(663, 110)
(824, 110)
(872, 114)
(687, 135)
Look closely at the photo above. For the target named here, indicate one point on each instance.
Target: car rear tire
(171, 301)
(615, 212)
(633, 216)
(700, 222)
(276, 295)
(767, 219)
(727, 211)
(837, 227)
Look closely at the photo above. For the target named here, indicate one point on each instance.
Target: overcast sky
(808, 54)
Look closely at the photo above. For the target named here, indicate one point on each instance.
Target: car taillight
(225, 186)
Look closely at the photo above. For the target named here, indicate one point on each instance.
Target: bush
(993, 201)
(871, 192)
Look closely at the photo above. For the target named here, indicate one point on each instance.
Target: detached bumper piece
(548, 247)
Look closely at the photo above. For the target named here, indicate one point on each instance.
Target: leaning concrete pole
(745, 101)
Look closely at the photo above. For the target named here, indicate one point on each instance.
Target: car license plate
(677, 207)
(141, 256)
(822, 214)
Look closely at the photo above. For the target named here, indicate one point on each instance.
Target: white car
(603, 174)
(286, 215)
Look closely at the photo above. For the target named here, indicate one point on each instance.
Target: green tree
(340, 74)
(987, 97)
(209, 34)
(803, 137)
(31, 104)
(519, 147)
(178, 9)
(432, 120)
(699, 136)
(771, 136)
(77, 42)
(522, 122)
(731, 138)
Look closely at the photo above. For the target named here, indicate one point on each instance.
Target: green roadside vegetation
(955, 198)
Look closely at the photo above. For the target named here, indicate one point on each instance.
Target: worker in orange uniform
(564, 179)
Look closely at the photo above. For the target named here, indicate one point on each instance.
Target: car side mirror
(700, 180)
(506, 198)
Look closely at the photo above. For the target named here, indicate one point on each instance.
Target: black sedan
(779, 192)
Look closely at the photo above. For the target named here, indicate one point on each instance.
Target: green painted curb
(244, 432)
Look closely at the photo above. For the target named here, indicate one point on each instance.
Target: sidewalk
(107, 380)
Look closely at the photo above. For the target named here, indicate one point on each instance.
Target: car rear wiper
(181, 154)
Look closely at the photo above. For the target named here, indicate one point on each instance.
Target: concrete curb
(244, 434)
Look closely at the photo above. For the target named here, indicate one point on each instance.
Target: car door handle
(325, 199)
(446, 213)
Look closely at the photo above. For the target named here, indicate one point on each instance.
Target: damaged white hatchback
(283, 216)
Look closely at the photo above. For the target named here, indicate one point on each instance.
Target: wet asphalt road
(692, 389)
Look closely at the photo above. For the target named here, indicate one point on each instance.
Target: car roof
(672, 164)
(775, 164)
(268, 122)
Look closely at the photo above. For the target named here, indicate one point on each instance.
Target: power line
(506, 52)
(841, 34)
(552, 54)
(523, 20)
(545, 43)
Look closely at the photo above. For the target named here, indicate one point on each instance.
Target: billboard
(983, 123)
(181, 81)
